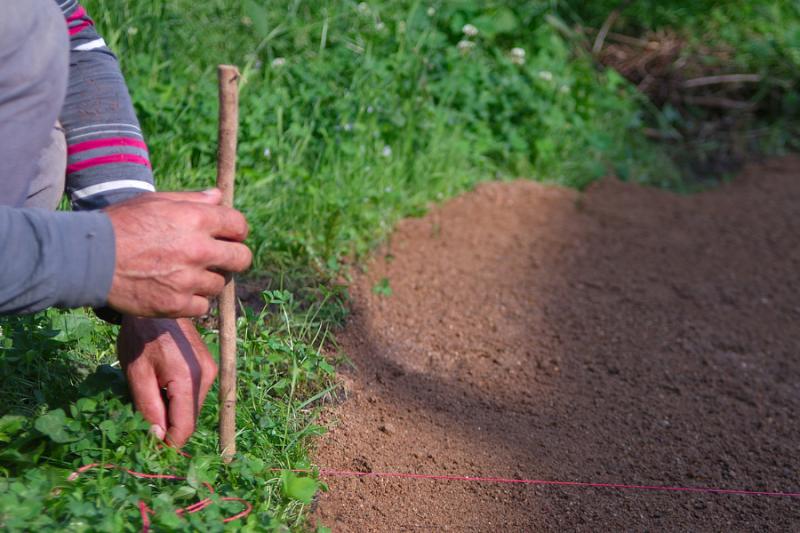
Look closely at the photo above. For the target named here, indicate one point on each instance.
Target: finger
(209, 374)
(209, 196)
(146, 394)
(227, 223)
(182, 414)
(209, 284)
(196, 307)
(230, 256)
(206, 363)
(205, 385)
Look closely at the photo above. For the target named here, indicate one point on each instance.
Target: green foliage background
(375, 112)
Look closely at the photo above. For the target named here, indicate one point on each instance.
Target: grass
(62, 420)
(353, 115)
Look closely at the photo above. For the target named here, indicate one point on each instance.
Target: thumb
(209, 196)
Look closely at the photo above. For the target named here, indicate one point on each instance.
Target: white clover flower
(247, 21)
(363, 7)
(370, 109)
(278, 62)
(465, 46)
(431, 11)
(133, 30)
(387, 151)
(518, 56)
(267, 153)
(564, 89)
(546, 75)
(380, 26)
(348, 127)
(469, 30)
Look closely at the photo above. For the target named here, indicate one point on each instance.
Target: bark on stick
(226, 170)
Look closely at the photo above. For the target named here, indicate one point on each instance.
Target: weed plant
(62, 411)
(352, 116)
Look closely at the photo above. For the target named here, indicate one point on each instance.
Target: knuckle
(202, 307)
(201, 253)
(182, 282)
(244, 227)
(195, 374)
(168, 303)
(217, 284)
(176, 305)
(210, 371)
(242, 258)
(248, 257)
(235, 222)
(195, 216)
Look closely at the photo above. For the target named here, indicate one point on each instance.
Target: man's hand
(172, 250)
(166, 354)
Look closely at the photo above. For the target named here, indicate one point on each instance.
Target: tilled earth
(622, 335)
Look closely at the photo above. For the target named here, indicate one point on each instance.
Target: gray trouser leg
(34, 63)
(47, 187)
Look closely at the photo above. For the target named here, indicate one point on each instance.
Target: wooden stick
(226, 170)
(607, 25)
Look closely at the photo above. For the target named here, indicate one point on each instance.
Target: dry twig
(724, 78)
(612, 18)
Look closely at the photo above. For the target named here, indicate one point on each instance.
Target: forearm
(108, 160)
(54, 259)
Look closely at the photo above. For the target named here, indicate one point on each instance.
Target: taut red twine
(622, 486)
(145, 511)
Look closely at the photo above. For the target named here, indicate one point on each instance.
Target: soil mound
(622, 335)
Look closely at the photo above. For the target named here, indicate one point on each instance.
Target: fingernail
(158, 431)
(211, 192)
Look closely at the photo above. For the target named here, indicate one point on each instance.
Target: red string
(145, 511)
(706, 490)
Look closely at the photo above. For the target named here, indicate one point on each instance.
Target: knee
(34, 45)
(47, 187)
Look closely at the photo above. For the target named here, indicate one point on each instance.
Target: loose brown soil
(624, 335)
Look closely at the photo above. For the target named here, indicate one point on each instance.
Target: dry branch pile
(717, 105)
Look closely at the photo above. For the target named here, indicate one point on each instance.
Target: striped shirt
(51, 70)
(108, 160)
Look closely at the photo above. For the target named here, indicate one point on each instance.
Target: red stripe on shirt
(80, 27)
(77, 14)
(108, 160)
(105, 143)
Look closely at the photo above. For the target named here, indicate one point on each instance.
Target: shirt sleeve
(54, 259)
(107, 158)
